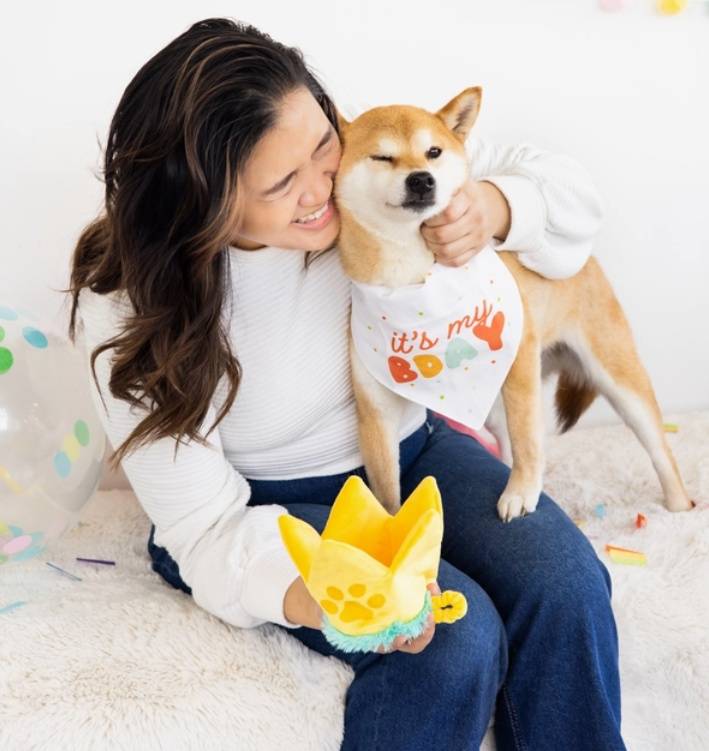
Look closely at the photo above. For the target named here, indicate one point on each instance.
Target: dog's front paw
(514, 503)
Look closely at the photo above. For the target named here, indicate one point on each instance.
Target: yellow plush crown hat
(369, 570)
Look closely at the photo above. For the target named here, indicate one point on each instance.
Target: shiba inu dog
(401, 165)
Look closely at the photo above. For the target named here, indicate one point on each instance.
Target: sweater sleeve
(555, 209)
(231, 555)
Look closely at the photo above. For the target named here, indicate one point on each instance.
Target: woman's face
(288, 176)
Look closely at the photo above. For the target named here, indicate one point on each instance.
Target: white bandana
(448, 342)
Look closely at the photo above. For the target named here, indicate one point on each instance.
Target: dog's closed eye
(380, 158)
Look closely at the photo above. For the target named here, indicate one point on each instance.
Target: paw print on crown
(352, 609)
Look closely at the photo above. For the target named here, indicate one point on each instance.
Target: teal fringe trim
(384, 638)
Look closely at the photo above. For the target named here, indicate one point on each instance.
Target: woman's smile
(317, 219)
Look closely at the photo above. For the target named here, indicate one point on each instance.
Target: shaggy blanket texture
(120, 660)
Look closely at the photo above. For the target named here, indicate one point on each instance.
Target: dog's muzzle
(420, 191)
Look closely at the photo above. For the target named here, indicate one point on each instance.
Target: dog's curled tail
(572, 399)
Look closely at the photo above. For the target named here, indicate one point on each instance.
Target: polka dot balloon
(51, 442)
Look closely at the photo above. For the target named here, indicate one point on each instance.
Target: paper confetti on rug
(121, 660)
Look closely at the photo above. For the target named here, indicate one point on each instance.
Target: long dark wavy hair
(179, 139)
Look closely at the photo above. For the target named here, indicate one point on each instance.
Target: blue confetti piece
(34, 337)
(7, 314)
(61, 571)
(62, 464)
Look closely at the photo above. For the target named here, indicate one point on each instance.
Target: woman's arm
(543, 204)
(230, 554)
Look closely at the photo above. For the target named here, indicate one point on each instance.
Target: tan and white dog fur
(572, 326)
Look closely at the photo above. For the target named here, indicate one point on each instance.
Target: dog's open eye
(433, 153)
(379, 158)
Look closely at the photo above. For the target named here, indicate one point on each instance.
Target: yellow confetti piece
(7, 478)
(670, 427)
(580, 522)
(671, 7)
(72, 447)
(623, 555)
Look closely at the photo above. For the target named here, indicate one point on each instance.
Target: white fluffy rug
(122, 661)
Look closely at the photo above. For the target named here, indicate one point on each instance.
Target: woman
(222, 147)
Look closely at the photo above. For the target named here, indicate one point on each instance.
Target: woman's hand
(300, 607)
(477, 212)
(423, 640)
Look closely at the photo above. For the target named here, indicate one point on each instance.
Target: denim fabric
(538, 646)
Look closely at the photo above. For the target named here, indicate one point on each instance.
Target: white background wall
(625, 93)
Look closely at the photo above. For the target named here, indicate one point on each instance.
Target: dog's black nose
(421, 184)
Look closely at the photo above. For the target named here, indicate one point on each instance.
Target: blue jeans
(538, 646)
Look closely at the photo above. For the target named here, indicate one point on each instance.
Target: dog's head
(401, 165)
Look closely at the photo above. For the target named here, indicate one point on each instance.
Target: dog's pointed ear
(342, 124)
(462, 111)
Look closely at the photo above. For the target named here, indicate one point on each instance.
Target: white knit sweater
(294, 415)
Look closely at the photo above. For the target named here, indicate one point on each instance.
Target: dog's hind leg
(378, 418)
(607, 352)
